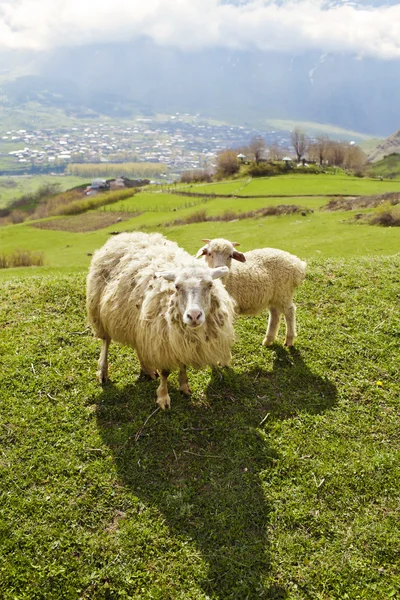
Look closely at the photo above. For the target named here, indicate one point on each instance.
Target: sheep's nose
(194, 315)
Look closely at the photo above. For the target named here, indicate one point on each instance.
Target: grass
(297, 185)
(277, 479)
(328, 234)
(386, 167)
(12, 188)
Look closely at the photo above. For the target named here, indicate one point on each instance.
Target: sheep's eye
(178, 287)
(209, 286)
(209, 253)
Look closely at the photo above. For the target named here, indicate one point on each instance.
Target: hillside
(386, 167)
(288, 212)
(276, 479)
(388, 146)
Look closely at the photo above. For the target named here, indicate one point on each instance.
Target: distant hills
(388, 146)
(249, 87)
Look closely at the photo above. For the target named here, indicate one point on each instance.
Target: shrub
(17, 216)
(201, 216)
(386, 215)
(92, 202)
(262, 170)
(227, 164)
(196, 176)
(21, 258)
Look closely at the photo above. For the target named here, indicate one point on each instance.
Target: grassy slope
(278, 479)
(387, 167)
(318, 234)
(296, 185)
(26, 185)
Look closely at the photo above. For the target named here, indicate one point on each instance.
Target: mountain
(242, 86)
(390, 145)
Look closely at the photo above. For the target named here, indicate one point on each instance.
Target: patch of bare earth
(341, 203)
(86, 221)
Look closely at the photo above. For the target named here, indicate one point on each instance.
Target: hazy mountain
(388, 146)
(144, 77)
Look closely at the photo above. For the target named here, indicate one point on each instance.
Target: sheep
(267, 279)
(146, 292)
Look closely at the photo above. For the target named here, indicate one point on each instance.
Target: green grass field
(277, 479)
(297, 185)
(387, 167)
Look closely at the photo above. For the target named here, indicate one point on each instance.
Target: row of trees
(321, 150)
(135, 169)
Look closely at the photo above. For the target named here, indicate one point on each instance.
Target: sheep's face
(219, 253)
(192, 290)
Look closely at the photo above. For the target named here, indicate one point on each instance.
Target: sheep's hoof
(102, 377)
(147, 375)
(268, 341)
(289, 342)
(185, 389)
(164, 402)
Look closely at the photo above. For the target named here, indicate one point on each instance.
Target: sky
(285, 26)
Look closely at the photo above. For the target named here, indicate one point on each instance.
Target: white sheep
(267, 279)
(146, 292)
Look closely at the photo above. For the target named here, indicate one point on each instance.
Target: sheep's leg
(146, 373)
(273, 326)
(184, 386)
(290, 316)
(163, 399)
(102, 373)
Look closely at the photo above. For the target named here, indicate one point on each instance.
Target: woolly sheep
(146, 292)
(267, 279)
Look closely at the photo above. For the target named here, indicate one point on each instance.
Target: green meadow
(278, 477)
(300, 184)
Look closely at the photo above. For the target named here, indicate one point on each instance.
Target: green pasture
(12, 188)
(387, 167)
(318, 234)
(185, 205)
(297, 185)
(277, 479)
(222, 187)
(155, 202)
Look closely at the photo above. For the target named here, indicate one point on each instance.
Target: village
(179, 141)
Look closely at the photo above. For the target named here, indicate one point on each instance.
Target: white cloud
(291, 26)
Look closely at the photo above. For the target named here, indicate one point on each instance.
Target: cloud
(288, 26)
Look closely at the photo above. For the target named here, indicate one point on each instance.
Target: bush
(92, 202)
(386, 215)
(263, 170)
(196, 176)
(227, 164)
(21, 258)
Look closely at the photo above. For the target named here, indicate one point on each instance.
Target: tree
(354, 158)
(257, 148)
(227, 163)
(299, 142)
(318, 150)
(336, 153)
(276, 152)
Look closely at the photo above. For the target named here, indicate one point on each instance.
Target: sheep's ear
(219, 272)
(239, 256)
(168, 275)
(235, 244)
(201, 252)
(206, 241)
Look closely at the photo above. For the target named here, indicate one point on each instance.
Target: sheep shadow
(204, 464)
